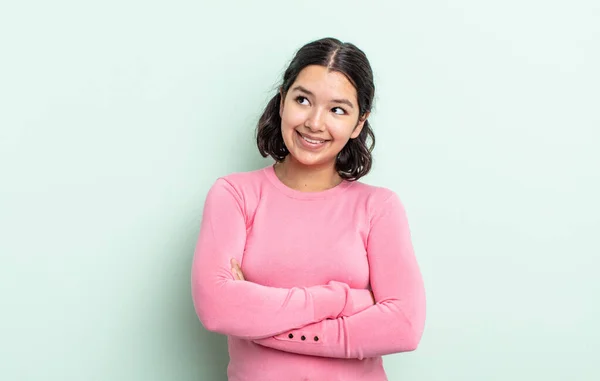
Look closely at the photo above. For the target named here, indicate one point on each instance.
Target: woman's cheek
(338, 131)
(293, 117)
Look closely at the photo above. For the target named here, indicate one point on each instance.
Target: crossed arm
(330, 320)
(220, 300)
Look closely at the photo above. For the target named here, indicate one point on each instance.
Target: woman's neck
(307, 178)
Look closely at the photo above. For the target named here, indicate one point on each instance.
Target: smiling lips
(312, 141)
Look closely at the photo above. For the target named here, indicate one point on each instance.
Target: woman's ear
(359, 126)
(281, 101)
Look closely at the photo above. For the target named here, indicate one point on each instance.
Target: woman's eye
(300, 98)
(341, 109)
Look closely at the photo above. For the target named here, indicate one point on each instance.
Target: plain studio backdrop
(117, 116)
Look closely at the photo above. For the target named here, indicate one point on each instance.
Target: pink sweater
(305, 311)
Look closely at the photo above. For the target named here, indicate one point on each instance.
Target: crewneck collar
(293, 193)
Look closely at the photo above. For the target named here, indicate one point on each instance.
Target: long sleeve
(395, 323)
(246, 309)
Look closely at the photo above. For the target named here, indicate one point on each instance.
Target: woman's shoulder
(241, 183)
(375, 192)
(376, 198)
(244, 178)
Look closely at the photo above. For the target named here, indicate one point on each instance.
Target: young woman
(309, 272)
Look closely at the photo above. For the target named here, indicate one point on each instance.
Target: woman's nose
(316, 120)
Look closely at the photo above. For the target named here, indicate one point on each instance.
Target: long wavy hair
(355, 159)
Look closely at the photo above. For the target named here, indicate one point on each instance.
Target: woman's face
(319, 115)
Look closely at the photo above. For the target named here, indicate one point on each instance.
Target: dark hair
(355, 159)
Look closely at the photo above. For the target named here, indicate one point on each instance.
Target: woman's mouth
(311, 143)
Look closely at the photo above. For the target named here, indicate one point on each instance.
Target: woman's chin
(309, 160)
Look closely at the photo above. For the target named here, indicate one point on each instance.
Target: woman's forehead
(323, 83)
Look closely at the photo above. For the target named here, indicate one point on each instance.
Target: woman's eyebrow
(306, 91)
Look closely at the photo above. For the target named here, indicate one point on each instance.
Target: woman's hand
(236, 270)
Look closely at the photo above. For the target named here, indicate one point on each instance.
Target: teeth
(313, 141)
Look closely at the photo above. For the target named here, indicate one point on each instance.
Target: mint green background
(117, 116)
